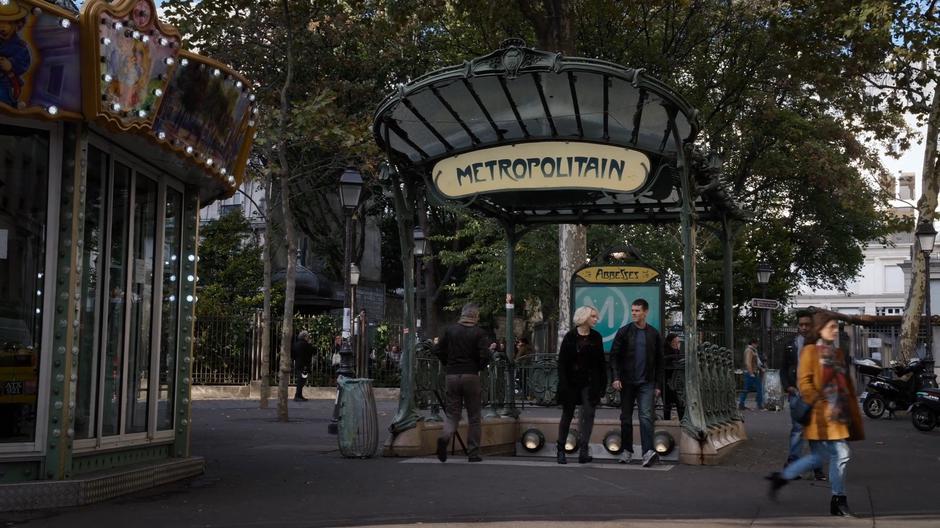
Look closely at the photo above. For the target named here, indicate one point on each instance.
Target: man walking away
(301, 352)
(464, 350)
(788, 370)
(752, 376)
(637, 359)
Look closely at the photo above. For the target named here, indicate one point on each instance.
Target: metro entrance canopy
(529, 136)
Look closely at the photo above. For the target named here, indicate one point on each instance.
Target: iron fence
(227, 351)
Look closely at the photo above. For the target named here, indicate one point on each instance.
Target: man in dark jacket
(301, 351)
(637, 359)
(788, 370)
(464, 350)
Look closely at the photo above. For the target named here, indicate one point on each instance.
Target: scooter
(887, 392)
(926, 410)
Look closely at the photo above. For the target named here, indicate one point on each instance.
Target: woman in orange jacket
(835, 420)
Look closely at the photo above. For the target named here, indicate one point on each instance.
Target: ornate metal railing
(715, 391)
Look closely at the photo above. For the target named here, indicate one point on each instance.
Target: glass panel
(92, 274)
(114, 351)
(24, 155)
(172, 246)
(138, 357)
(460, 99)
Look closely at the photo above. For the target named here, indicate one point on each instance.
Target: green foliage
(230, 269)
(322, 329)
(793, 94)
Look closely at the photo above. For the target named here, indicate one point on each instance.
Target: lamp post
(764, 271)
(926, 236)
(350, 187)
(421, 248)
(353, 283)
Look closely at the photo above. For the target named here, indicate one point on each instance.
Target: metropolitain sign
(542, 166)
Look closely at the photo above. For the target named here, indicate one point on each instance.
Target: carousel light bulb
(158, 92)
(238, 85)
(53, 110)
(191, 258)
(189, 298)
(184, 62)
(145, 38)
(106, 41)
(161, 135)
(222, 171)
(251, 98)
(216, 72)
(118, 26)
(107, 78)
(135, 34)
(209, 162)
(172, 298)
(190, 278)
(170, 61)
(163, 41)
(141, 113)
(231, 179)
(172, 278)
(116, 107)
(4, 2)
(38, 311)
(65, 23)
(189, 150)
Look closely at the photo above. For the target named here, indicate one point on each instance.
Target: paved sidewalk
(262, 473)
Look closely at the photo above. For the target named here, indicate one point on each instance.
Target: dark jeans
(670, 398)
(585, 421)
(299, 378)
(463, 390)
(642, 395)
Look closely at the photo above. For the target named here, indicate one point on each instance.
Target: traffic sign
(766, 304)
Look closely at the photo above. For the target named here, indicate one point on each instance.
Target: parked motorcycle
(926, 410)
(894, 388)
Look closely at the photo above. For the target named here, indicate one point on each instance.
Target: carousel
(111, 137)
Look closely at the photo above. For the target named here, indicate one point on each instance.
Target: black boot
(562, 459)
(776, 482)
(584, 458)
(839, 506)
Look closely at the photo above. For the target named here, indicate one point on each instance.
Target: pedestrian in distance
(825, 384)
(788, 372)
(582, 380)
(752, 376)
(464, 350)
(673, 359)
(301, 352)
(637, 359)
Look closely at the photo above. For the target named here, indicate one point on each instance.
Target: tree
(230, 267)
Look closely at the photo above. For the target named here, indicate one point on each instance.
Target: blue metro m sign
(612, 289)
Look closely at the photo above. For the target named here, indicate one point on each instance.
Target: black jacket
(789, 364)
(569, 392)
(301, 351)
(622, 355)
(463, 349)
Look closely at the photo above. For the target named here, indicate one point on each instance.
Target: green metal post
(727, 242)
(694, 419)
(509, 408)
(181, 443)
(65, 339)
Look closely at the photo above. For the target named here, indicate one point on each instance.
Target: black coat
(622, 355)
(568, 392)
(301, 351)
(463, 349)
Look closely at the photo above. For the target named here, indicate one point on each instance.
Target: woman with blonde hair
(582, 379)
(833, 418)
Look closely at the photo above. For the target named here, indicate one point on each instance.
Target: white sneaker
(625, 457)
(650, 458)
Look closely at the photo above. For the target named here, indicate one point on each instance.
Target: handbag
(800, 411)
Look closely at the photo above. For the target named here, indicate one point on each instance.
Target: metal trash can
(358, 423)
(773, 391)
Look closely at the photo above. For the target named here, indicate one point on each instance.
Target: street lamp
(421, 248)
(926, 236)
(350, 187)
(764, 271)
(353, 283)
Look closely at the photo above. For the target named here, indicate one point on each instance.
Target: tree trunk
(555, 30)
(266, 310)
(287, 328)
(926, 207)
